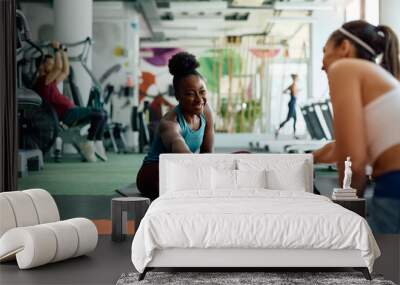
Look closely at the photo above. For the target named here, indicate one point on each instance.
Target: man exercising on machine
(52, 71)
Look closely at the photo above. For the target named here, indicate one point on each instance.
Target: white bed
(220, 225)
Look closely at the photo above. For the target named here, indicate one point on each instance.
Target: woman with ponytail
(188, 128)
(362, 64)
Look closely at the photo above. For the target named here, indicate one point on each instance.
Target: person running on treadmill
(188, 128)
(52, 71)
(293, 92)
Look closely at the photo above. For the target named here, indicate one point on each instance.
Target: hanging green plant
(209, 65)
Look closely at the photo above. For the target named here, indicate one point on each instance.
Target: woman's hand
(55, 44)
(326, 154)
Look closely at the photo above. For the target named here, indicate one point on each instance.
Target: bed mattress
(250, 219)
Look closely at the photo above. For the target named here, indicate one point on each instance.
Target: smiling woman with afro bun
(188, 128)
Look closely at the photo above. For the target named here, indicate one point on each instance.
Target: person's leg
(284, 122)
(99, 132)
(147, 180)
(80, 116)
(384, 215)
(384, 207)
(98, 145)
(281, 125)
(294, 125)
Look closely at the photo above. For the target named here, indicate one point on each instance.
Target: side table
(357, 205)
(119, 214)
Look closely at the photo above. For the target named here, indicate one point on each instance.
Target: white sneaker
(87, 150)
(100, 150)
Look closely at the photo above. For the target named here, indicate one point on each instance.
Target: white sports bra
(382, 121)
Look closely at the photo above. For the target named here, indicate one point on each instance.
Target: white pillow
(188, 177)
(251, 178)
(281, 174)
(228, 179)
(291, 180)
(224, 179)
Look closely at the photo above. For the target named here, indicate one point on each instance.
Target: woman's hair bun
(182, 63)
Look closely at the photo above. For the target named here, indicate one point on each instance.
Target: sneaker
(87, 150)
(100, 151)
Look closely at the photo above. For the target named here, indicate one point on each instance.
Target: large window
(363, 9)
(371, 11)
(353, 10)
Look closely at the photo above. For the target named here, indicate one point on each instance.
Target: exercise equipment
(318, 119)
(313, 123)
(37, 122)
(96, 98)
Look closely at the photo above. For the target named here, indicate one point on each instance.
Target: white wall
(116, 26)
(326, 21)
(40, 17)
(389, 14)
(73, 21)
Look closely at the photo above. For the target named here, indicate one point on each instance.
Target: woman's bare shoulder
(367, 72)
(351, 65)
(169, 119)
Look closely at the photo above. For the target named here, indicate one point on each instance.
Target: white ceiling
(191, 20)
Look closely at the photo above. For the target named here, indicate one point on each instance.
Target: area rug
(243, 278)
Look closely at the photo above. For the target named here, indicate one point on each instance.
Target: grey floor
(103, 266)
(111, 259)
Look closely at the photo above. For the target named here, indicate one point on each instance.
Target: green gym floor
(73, 177)
(83, 189)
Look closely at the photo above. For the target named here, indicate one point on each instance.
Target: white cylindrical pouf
(45, 205)
(67, 240)
(7, 218)
(87, 235)
(33, 246)
(23, 208)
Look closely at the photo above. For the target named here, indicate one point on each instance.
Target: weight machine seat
(28, 96)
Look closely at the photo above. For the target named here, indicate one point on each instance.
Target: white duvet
(253, 218)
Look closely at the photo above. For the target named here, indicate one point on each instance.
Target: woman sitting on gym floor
(52, 71)
(366, 105)
(187, 128)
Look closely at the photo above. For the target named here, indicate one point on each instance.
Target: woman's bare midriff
(388, 161)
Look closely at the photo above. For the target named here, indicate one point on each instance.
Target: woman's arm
(287, 89)
(326, 154)
(208, 139)
(65, 67)
(348, 121)
(171, 137)
(58, 64)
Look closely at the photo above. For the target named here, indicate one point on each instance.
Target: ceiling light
(198, 5)
(302, 6)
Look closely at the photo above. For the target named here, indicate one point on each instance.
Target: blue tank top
(193, 139)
